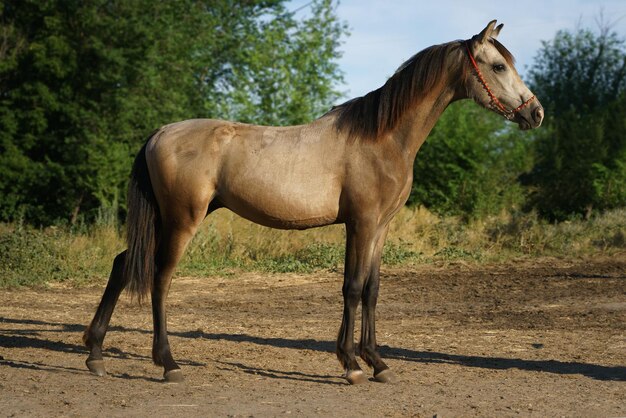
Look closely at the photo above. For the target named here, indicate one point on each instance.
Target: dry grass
(227, 243)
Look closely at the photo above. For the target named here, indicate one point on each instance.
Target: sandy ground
(521, 339)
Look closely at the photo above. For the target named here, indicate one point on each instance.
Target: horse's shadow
(280, 374)
(594, 371)
(34, 337)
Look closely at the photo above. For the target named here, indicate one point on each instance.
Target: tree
(289, 76)
(470, 164)
(581, 150)
(83, 83)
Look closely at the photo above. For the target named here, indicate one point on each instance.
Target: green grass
(227, 244)
(30, 256)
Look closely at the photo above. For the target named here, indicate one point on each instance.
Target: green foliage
(470, 164)
(581, 149)
(83, 83)
(580, 71)
(400, 253)
(27, 257)
(289, 76)
(317, 256)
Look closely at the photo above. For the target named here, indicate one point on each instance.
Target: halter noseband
(494, 103)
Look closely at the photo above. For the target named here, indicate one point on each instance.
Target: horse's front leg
(360, 243)
(367, 346)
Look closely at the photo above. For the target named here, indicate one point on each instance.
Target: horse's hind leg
(171, 248)
(94, 334)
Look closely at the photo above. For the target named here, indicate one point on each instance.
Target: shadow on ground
(34, 337)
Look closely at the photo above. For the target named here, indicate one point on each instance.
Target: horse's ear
(487, 33)
(497, 30)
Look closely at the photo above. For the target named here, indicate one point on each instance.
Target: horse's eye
(499, 68)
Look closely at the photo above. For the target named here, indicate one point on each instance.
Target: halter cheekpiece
(494, 103)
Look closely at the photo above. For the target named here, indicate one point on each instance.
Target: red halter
(507, 113)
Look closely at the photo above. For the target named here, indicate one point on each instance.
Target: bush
(470, 164)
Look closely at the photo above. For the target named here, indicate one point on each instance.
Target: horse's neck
(418, 122)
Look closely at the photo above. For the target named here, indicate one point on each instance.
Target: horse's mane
(371, 116)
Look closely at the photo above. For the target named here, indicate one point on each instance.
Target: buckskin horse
(352, 166)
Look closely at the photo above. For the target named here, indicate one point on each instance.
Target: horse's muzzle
(530, 117)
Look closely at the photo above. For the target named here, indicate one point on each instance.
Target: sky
(385, 33)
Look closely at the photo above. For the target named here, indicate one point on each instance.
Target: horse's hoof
(96, 367)
(386, 376)
(356, 377)
(174, 376)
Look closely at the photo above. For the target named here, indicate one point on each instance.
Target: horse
(352, 166)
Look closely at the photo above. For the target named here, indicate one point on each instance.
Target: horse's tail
(142, 230)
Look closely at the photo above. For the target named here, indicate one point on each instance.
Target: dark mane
(378, 112)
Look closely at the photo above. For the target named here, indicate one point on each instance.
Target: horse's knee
(353, 290)
(370, 292)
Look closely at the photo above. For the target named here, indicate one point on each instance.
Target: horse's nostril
(538, 114)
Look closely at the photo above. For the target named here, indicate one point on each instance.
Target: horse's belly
(286, 203)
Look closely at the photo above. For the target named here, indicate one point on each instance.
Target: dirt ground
(546, 338)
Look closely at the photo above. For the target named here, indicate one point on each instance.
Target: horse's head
(495, 83)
